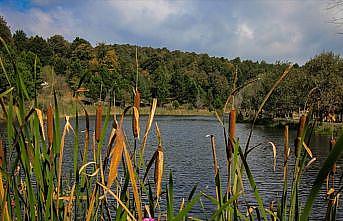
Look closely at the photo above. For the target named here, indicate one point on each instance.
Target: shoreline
(322, 128)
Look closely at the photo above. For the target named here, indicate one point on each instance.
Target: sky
(280, 30)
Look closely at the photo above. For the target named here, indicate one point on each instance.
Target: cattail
(137, 99)
(2, 154)
(50, 126)
(135, 120)
(286, 144)
(98, 122)
(300, 134)
(159, 162)
(159, 170)
(232, 131)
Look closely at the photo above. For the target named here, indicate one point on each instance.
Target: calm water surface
(188, 155)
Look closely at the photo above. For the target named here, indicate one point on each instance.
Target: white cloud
(245, 32)
(36, 21)
(268, 30)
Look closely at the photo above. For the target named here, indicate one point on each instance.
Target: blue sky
(259, 30)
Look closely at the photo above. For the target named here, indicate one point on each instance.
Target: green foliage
(20, 40)
(188, 78)
(40, 47)
(5, 32)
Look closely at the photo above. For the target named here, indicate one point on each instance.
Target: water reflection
(188, 155)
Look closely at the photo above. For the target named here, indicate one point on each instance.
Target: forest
(177, 78)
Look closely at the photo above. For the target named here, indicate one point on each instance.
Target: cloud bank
(259, 30)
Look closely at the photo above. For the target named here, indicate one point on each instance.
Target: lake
(188, 155)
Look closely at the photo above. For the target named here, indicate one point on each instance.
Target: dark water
(188, 155)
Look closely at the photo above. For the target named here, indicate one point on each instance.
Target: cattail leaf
(40, 118)
(253, 184)
(66, 129)
(3, 202)
(69, 208)
(152, 160)
(331, 191)
(91, 205)
(218, 212)
(116, 156)
(234, 92)
(6, 92)
(308, 150)
(274, 154)
(133, 183)
(183, 213)
(218, 118)
(310, 163)
(191, 194)
(122, 204)
(148, 125)
(170, 198)
(281, 78)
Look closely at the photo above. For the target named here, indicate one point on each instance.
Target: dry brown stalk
(98, 122)
(300, 133)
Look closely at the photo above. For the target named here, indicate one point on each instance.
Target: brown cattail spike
(232, 131)
(300, 134)
(50, 126)
(159, 170)
(98, 122)
(159, 162)
(286, 144)
(137, 100)
(135, 115)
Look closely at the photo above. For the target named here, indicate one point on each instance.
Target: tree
(59, 45)
(40, 47)
(20, 40)
(5, 31)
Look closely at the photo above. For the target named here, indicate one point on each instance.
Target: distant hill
(175, 77)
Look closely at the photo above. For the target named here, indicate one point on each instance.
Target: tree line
(175, 77)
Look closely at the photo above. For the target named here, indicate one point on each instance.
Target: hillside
(177, 78)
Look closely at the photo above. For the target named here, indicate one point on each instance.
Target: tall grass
(111, 180)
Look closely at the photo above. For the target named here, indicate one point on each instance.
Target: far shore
(322, 128)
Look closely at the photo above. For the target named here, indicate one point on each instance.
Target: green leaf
(170, 196)
(183, 213)
(253, 184)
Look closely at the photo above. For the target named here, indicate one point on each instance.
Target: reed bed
(111, 179)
